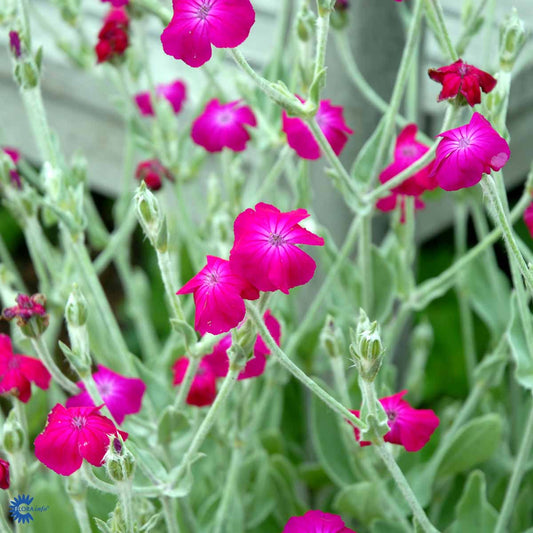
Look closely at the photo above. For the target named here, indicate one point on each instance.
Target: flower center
(203, 10)
(78, 422)
(105, 389)
(225, 117)
(408, 151)
(212, 278)
(464, 142)
(12, 363)
(463, 70)
(275, 239)
(392, 415)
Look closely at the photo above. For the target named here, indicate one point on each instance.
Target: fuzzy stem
(126, 505)
(516, 477)
(169, 510)
(207, 423)
(282, 357)
(80, 510)
(185, 385)
(44, 355)
(445, 36)
(404, 487)
(365, 262)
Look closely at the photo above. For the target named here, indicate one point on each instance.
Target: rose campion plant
(256, 355)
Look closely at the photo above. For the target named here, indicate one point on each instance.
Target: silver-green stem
(301, 376)
(445, 36)
(126, 505)
(490, 190)
(516, 477)
(170, 283)
(185, 385)
(365, 262)
(325, 288)
(80, 510)
(207, 423)
(404, 488)
(169, 510)
(46, 358)
(399, 88)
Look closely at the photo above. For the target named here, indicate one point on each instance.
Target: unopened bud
(76, 310)
(13, 434)
(119, 461)
(366, 347)
(149, 213)
(512, 39)
(331, 337)
(30, 314)
(339, 16)
(305, 24)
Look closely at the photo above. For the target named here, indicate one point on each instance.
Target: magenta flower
(461, 78)
(219, 362)
(17, 372)
(409, 427)
(406, 152)
(14, 154)
(4, 474)
(316, 522)
(14, 44)
(265, 251)
(122, 396)
(73, 434)
(465, 153)
(204, 384)
(113, 38)
(198, 24)
(330, 120)
(218, 296)
(223, 125)
(175, 92)
(26, 308)
(528, 218)
(152, 172)
(117, 3)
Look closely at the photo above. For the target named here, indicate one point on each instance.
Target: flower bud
(119, 461)
(76, 310)
(339, 17)
(30, 313)
(331, 337)
(366, 348)
(305, 24)
(13, 434)
(150, 215)
(14, 44)
(512, 39)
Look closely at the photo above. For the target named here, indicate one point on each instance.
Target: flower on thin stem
(122, 396)
(316, 522)
(17, 372)
(218, 296)
(463, 82)
(198, 24)
(204, 384)
(73, 434)
(330, 120)
(152, 172)
(465, 153)
(266, 252)
(218, 359)
(174, 92)
(113, 38)
(409, 427)
(223, 126)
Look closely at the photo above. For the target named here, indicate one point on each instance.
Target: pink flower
(113, 37)
(117, 3)
(462, 78)
(204, 385)
(316, 522)
(26, 308)
(4, 474)
(390, 202)
(528, 218)
(198, 24)
(14, 44)
(330, 121)
(73, 434)
(465, 153)
(265, 251)
(175, 92)
(223, 125)
(406, 152)
(17, 372)
(409, 427)
(14, 154)
(152, 173)
(122, 396)
(218, 358)
(218, 296)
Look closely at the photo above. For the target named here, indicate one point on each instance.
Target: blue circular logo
(20, 507)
